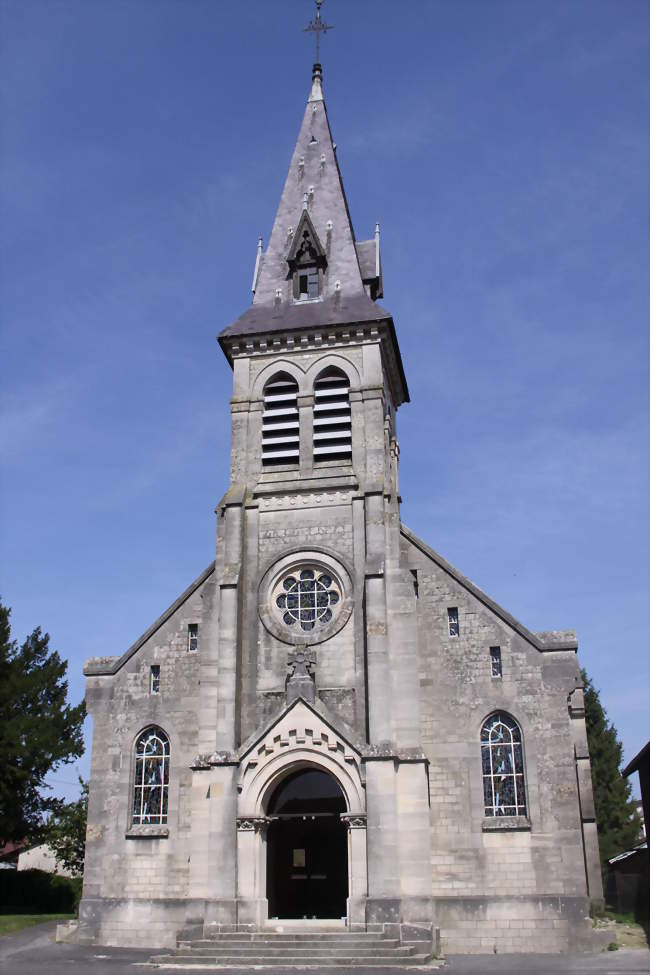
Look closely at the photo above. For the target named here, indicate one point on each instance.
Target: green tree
(618, 821)
(38, 730)
(66, 831)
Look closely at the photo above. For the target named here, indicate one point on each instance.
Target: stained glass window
(504, 791)
(151, 783)
(306, 599)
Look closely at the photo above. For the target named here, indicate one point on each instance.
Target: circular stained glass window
(306, 598)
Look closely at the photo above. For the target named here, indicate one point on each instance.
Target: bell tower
(314, 603)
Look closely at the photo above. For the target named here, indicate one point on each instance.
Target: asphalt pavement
(34, 952)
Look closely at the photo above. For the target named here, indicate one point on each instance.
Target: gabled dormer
(307, 260)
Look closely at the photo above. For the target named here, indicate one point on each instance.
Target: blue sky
(504, 148)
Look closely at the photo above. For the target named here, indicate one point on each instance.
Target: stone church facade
(331, 721)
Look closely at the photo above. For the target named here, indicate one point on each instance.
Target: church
(332, 731)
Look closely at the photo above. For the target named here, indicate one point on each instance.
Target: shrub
(38, 892)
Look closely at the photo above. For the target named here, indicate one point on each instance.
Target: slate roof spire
(313, 200)
(313, 182)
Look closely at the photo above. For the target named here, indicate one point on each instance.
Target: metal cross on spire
(318, 27)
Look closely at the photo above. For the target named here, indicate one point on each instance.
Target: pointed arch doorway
(307, 847)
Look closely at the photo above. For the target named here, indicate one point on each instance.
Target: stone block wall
(490, 875)
(139, 870)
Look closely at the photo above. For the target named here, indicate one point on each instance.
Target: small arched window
(151, 780)
(504, 789)
(332, 416)
(280, 421)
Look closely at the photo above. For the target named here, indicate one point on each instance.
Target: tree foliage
(38, 730)
(618, 820)
(66, 831)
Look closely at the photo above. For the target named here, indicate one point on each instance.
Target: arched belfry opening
(307, 848)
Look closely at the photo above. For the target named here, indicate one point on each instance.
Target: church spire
(313, 185)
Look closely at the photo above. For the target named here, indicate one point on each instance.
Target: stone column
(213, 848)
(358, 433)
(403, 662)
(213, 861)
(252, 905)
(414, 839)
(306, 420)
(383, 904)
(593, 875)
(378, 677)
(357, 870)
(229, 584)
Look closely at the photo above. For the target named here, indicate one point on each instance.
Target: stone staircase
(281, 949)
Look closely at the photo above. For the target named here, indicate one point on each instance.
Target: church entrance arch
(307, 847)
(282, 809)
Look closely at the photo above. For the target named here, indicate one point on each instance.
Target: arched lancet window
(151, 780)
(280, 421)
(504, 789)
(332, 416)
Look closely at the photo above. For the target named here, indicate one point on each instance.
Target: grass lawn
(16, 922)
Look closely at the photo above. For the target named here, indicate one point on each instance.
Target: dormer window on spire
(306, 283)
(307, 261)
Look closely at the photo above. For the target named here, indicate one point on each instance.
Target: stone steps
(290, 936)
(216, 962)
(278, 949)
(286, 940)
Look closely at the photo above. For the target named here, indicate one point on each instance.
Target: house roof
(628, 853)
(635, 764)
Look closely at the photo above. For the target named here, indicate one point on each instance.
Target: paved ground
(33, 952)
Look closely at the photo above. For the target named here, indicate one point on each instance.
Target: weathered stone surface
(382, 697)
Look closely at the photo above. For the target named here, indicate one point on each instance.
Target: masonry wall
(309, 507)
(496, 887)
(135, 884)
(322, 523)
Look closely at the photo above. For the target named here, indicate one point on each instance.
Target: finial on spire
(318, 27)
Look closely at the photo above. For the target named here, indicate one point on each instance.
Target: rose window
(306, 599)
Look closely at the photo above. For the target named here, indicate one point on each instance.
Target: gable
(306, 247)
(298, 737)
(103, 666)
(548, 640)
(300, 720)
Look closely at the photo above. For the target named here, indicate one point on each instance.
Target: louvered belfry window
(280, 422)
(332, 416)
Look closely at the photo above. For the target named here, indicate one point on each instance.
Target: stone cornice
(326, 337)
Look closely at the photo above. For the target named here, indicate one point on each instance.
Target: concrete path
(34, 952)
